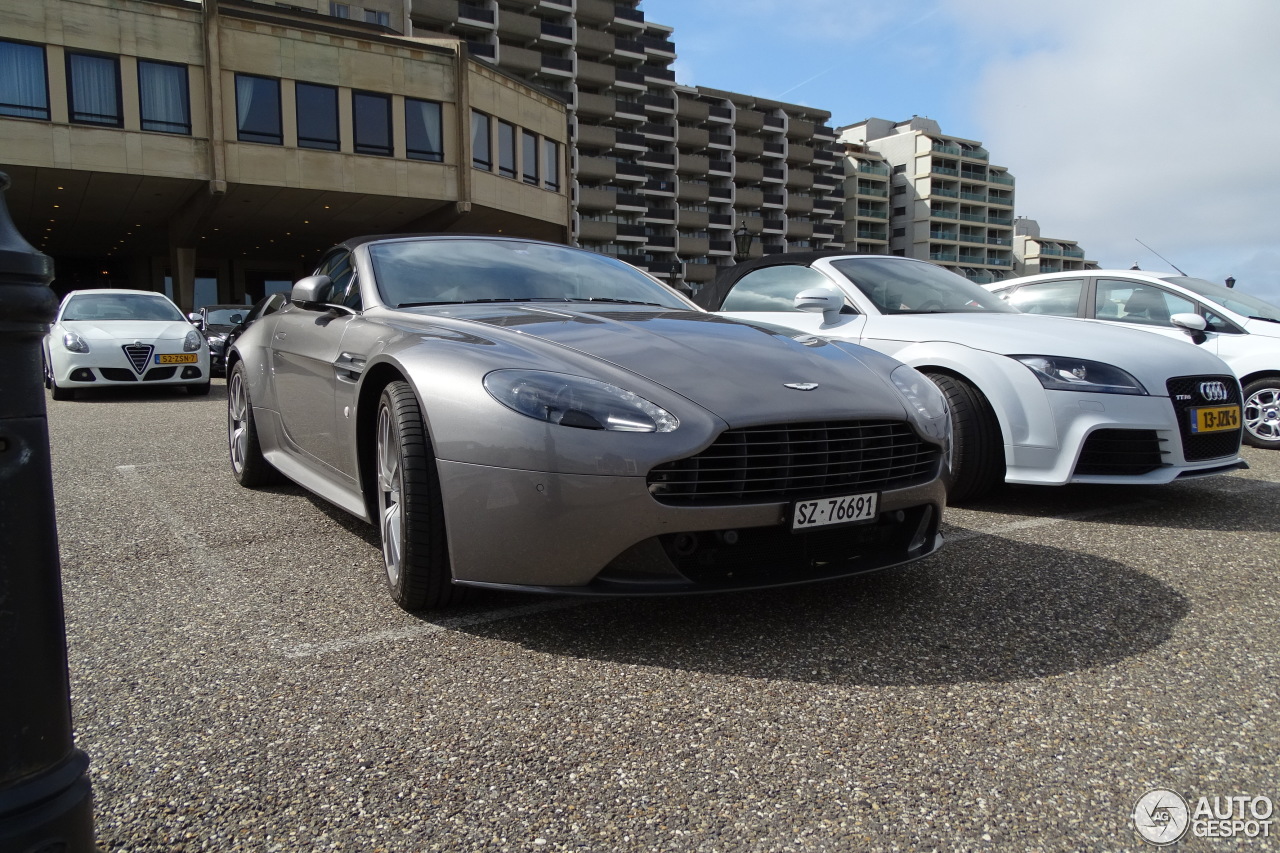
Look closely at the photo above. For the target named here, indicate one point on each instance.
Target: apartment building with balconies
(947, 202)
(866, 201)
(662, 174)
(1034, 254)
(230, 143)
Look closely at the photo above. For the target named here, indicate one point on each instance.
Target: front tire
(977, 451)
(1262, 413)
(410, 512)
(250, 467)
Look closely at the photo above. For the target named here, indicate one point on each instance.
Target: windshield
(120, 306)
(903, 286)
(1232, 300)
(447, 272)
(226, 316)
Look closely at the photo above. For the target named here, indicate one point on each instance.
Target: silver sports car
(529, 416)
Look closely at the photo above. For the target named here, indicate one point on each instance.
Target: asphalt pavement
(242, 681)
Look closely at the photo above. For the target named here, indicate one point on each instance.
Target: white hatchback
(1242, 330)
(113, 337)
(1036, 400)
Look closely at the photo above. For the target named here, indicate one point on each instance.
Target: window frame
(186, 99)
(481, 121)
(10, 110)
(529, 158)
(550, 165)
(78, 117)
(506, 149)
(317, 143)
(259, 137)
(424, 154)
(374, 150)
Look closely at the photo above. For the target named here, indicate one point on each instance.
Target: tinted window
(163, 97)
(772, 288)
(917, 287)
(120, 306)
(23, 86)
(529, 158)
(371, 114)
(506, 150)
(1060, 298)
(423, 130)
(1229, 298)
(550, 165)
(258, 109)
(317, 116)
(481, 148)
(346, 289)
(93, 89)
(1138, 302)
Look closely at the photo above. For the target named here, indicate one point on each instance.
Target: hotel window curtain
(23, 91)
(95, 89)
(162, 91)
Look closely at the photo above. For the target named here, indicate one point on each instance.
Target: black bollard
(45, 796)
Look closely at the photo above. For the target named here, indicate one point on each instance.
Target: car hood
(1148, 357)
(1265, 328)
(738, 371)
(128, 330)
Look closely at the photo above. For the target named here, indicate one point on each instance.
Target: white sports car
(105, 338)
(1242, 330)
(1036, 400)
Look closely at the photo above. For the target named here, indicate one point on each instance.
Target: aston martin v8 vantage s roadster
(528, 416)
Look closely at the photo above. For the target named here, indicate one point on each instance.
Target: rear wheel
(1262, 413)
(250, 467)
(56, 392)
(410, 515)
(977, 452)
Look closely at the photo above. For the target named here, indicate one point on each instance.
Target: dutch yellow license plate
(184, 358)
(1215, 419)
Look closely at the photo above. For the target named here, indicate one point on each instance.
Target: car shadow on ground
(1214, 503)
(140, 393)
(1014, 611)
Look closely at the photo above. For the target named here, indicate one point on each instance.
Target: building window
(481, 143)
(382, 19)
(163, 97)
(339, 10)
(93, 88)
(258, 110)
(506, 149)
(423, 130)
(530, 158)
(24, 87)
(317, 116)
(899, 211)
(899, 232)
(371, 113)
(550, 165)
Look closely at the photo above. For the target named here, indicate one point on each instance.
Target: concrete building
(223, 146)
(663, 174)
(947, 203)
(1035, 254)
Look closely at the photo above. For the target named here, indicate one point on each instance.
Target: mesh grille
(1120, 453)
(1186, 394)
(117, 374)
(798, 461)
(138, 355)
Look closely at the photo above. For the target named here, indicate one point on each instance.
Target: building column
(182, 266)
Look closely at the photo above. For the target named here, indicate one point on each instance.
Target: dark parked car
(264, 306)
(216, 321)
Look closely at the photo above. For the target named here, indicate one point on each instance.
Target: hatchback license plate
(1215, 419)
(185, 358)
(849, 509)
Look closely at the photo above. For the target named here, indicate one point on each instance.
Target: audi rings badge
(1214, 392)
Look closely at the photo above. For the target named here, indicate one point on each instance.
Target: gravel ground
(242, 681)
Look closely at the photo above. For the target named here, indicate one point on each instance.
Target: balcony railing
(659, 102)
(873, 168)
(973, 196)
(942, 191)
(954, 151)
(1000, 179)
(944, 170)
(774, 122)
(873, 191)
(475, 13)
(972, 217)
(626, 75)
(720, 113)
(558, 31)
(556, 63)
(628, 14)
(942, 256)
(1000, 241)
(662, 131)
(653, 72)
(944, 214)
(1073, 253)
(942, 235)
(624, 45)
(632, 169)
(720, 166)
(723, 140)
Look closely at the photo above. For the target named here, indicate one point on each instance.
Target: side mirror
(820, 300)
(314, 289)
(196, 320)
(1193, 324)
(236, 319)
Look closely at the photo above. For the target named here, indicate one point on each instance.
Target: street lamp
(1231, 281)
(742, 240)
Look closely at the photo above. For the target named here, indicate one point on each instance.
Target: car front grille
(158, 374)
(786, 462)
(117, 374)
(1120, 453)
(138, 355)
(1186, 394)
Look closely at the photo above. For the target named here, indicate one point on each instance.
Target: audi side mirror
(820, 300)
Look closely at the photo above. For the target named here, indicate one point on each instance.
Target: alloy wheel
(390, 488)
(1262, 414)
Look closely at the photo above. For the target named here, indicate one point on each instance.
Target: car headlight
(1077, 374)
(576, 401)
(74, 342)
(193, 341)
(925, 398)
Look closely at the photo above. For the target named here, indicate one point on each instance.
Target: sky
(1120, 120)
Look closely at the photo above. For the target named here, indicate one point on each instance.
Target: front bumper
(1079, 421)
(109, 366)
(606, 535)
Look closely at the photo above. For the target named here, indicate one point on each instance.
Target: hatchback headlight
(576, 401)
(74, 342)
(1077, 374)
(193, 341)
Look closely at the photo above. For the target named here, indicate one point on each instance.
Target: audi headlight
(74, 342)
(193, 341)
(576, 401)
(1077, 374)
(925, 398)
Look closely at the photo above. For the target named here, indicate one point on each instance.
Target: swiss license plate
(806, 515)
(184, 358)
(1215, 419)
